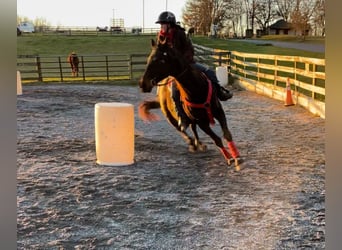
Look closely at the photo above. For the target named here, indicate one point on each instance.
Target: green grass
(288, 38)
(247, 47)
(130, 44)
(86, 45)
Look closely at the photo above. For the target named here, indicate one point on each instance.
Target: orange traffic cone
(288, 98)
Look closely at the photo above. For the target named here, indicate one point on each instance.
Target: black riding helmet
(166, 17)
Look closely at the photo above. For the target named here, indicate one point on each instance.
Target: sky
(99, 12)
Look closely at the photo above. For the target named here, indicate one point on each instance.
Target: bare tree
(284, 8)
(234, 14)
(21, 19)
(201, 14)
(251, 8)
(319, 18)
(301, 16)
(41, 24)
(265, 13)
(195, 15)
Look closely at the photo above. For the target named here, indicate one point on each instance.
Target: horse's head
(162, 62)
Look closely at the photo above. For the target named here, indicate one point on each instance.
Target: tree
(41, 24)
(284, 8)
(234, 15)
(265, 12)
(194, 16)
(251, 8)
(202, 14)
(319, 18)
(301, 16)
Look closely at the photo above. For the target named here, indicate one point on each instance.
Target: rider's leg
(222, 93)
(183, 119)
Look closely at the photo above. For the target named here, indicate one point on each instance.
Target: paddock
(169, 198)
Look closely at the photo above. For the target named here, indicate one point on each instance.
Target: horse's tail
(144, 110)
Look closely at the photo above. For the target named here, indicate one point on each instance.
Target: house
(281, 27)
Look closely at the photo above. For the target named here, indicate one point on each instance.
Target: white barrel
(114, 133)
(222, 75)
(19, 87)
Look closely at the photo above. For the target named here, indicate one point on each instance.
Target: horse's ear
(153, 43)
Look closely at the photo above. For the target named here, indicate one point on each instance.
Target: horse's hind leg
(198, 145)
(192, 143)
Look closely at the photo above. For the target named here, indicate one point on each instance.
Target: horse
(198, 96)
(191, 32)
(73, 61)
(167, 106)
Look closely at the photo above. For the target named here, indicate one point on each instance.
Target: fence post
(82, 63)
(39, 69)
(313, 80)
(258, 68)
(107, 68)
(220, 58)
(130, 67)
(60, 68)
(229, 61)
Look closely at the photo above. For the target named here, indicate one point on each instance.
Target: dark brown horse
(73, 61)
(167, 106)
(198, 97)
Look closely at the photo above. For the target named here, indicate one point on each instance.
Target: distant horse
(74, 61)
(191, 32)
(200, 103)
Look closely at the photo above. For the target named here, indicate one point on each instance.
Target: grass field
(89, 45)
(86, 45)
(240, 46)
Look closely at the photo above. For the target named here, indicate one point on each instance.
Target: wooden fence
(264, 74)
(92, 67)
(268, 75)
(90, 31)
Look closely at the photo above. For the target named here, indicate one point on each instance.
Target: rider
(175, 36)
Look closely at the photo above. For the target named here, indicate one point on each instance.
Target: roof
(281, 24)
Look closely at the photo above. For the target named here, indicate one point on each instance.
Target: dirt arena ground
(169, 198)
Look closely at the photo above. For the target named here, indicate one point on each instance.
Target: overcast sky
(98, 12)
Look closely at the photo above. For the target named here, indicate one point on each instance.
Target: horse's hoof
(237, 162)
(202, 147)
(192, 148)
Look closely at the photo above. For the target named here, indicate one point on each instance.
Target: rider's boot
(223, 94)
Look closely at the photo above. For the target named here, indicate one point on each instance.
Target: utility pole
(113, 21)
(143, 16)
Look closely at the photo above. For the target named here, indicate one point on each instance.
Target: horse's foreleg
(218, 142)
(227, 135)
